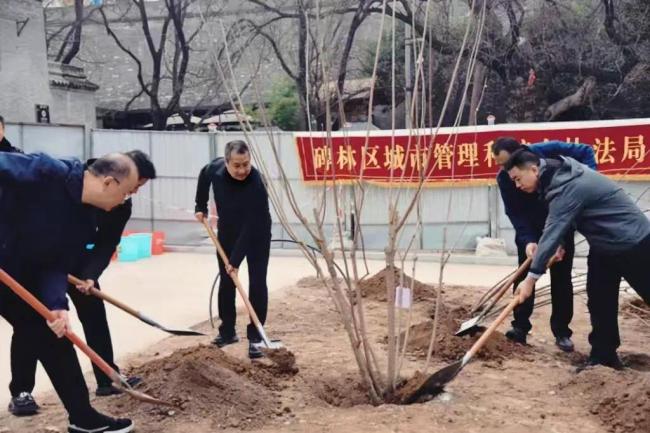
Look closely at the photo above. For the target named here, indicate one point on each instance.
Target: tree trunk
(76, 36)
(477, 90)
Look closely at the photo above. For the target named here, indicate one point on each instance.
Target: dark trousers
(604, 275)
(258, 293)
(561, 294)
(92, 314)
(57, 356)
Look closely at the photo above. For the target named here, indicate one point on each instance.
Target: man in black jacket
(90, 309)
(527, 213)
(244, 230)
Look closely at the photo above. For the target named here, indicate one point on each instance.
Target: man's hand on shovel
(526, 288)
(85, 286)
(61, 323)
(230, 269)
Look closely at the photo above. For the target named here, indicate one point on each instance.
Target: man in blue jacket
(527, 213)
(47, 216)
(90, 309)
(618, 233)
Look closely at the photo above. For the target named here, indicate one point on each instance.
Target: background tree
(319, 51)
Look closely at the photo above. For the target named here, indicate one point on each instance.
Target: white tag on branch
(403, 297)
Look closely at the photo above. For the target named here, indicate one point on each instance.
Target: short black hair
(113, 165)
(146, 169)
(2, 120)
(236, 146)
(509, 144)
(521, 159)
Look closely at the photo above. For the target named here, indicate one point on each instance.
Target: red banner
(462, 156)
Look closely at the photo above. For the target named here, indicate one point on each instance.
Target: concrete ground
(174, 290)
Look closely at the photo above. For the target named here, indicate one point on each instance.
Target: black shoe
(107, 390)
(102, 424)
(254, 351)
(517, 335)
(23, 405)
(611, 361)
(564, 343)
(221, 341)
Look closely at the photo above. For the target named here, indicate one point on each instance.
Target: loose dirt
(505, 389)
(449, 347)
(203, 382)
(621, 400)
(637, 308)
(374, 287)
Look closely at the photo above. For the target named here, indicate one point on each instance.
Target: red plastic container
(158, 243)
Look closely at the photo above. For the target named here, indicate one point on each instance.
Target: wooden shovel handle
(41, 309)
(233, 275)
(108, 298)
(488, 332)
(505, 313)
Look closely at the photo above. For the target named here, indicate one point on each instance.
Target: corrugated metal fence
(167, 203)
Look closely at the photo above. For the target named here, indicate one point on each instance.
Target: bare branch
(127, 51)
(274, 46)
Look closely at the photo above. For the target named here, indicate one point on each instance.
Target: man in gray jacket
(617, 231)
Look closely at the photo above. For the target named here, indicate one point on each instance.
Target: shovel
(101, 295)
(119, 380)
(437, 381)
(251, 312)
(472, 325)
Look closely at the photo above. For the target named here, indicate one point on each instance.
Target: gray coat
(594, 205)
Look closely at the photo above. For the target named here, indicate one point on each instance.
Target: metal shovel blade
(180, 332)
(467, 326)
(272, 344)
(471, 326)
(435, 384)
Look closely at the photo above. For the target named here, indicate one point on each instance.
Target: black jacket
(242, 208)
(110, 226)
(5, 146)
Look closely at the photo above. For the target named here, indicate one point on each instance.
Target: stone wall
(26, 77)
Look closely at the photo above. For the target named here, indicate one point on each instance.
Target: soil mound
(312, 282)
(621, 400)
(637, 307)
(449, 347)
(204, 382)
(374, 287)
(284, 360)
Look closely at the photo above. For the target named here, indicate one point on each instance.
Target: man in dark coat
(244, 230)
